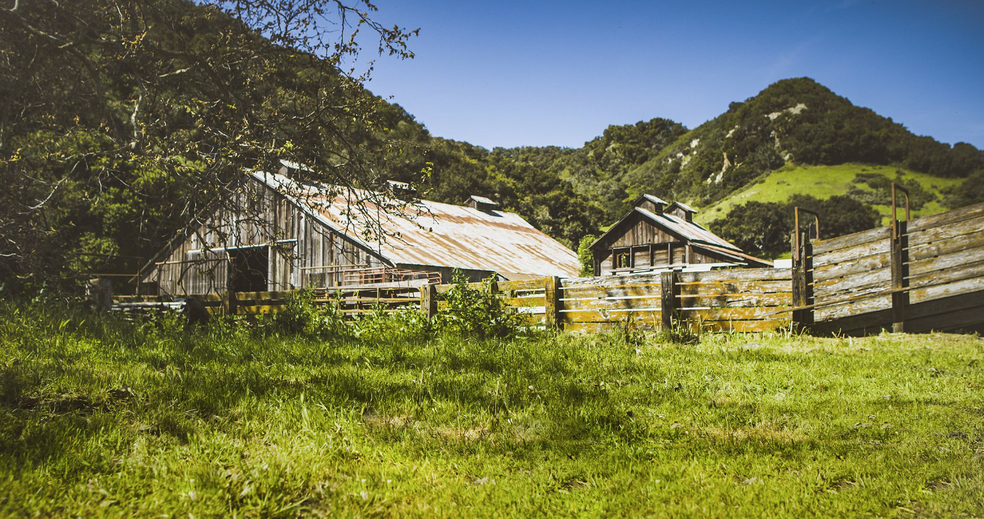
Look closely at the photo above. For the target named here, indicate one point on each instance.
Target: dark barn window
(250, 265)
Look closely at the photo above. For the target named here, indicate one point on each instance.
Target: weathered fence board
(949, 274)
(965, 229)
(948, 218)
(881, 260)
(969, 242)
(824, 247)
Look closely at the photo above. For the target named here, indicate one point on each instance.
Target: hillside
(824, 182)
(796, 138)
(116, 132)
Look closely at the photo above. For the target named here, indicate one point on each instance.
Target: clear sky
(512, 72)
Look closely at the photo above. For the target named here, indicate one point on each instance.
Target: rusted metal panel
(433, 233)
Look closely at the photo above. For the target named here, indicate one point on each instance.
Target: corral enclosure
(927, 274)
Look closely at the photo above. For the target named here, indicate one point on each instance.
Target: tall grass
(391, 418)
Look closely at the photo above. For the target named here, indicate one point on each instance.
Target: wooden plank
(949, 261)
(947, 305)
(589, 316)
(851, 254)
(613, 304)
(523, 284)
(608, 327)
(947, 218)
(736, 275)
(380, 300)
(520, 302)
(946, 233)
(741, 287)
(604, 281)
(611, 293)
(823, 247)
(861, 264)
(859, 307)
(950, 275)
(730, 314)
(736, 300)
(862, 282)
(743, 326)
(919, 295)
(604, 290)
(855, 325)
(954, 320)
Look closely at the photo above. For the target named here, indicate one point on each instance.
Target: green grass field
(106, 419)
(823, 182)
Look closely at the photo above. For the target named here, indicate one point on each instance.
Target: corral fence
(737, 300)
(914, 276)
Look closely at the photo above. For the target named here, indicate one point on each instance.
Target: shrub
(300, 316)
(477, 312)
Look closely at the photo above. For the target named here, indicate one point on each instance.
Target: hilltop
(794, 142)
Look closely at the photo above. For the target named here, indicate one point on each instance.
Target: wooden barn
(279, 234)
(656, 235)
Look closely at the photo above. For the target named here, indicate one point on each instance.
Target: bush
(477, 312)
(300, 316)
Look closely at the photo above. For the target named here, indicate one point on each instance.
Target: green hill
(825, 182)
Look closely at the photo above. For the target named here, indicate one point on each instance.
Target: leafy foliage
(584, 255)
(476, 312)
(149, 112)
(765, 228)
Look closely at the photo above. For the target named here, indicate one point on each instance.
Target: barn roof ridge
(437, 233)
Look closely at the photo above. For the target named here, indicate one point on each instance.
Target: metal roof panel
(435, 233)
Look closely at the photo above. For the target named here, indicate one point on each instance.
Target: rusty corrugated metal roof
(434, 233)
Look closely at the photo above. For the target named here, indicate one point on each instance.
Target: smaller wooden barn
(657, 235)
(280, 234)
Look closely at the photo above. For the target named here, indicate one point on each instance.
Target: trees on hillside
(765, 229)
(120, 120)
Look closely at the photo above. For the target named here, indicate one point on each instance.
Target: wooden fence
(917, 276)
(927, 274)
(731, 300)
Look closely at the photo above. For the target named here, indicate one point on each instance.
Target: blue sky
(511, 73)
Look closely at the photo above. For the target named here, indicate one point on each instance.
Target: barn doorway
(251, 266)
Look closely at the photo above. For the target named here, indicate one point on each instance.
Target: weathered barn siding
(300, 252)
(650, 247)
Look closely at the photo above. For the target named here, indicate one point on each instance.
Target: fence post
(428, 300)
(101, 294)
(232, 304)
(553, 304)
(802, 281)
(900, 260)
(900, 273)
(669, 290)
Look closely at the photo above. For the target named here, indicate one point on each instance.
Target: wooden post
(553, 305)
(101, 294)
(233, 306)
(428, 300)
(900, 260)
(900, 273)
(802, 281)
(668, 299)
